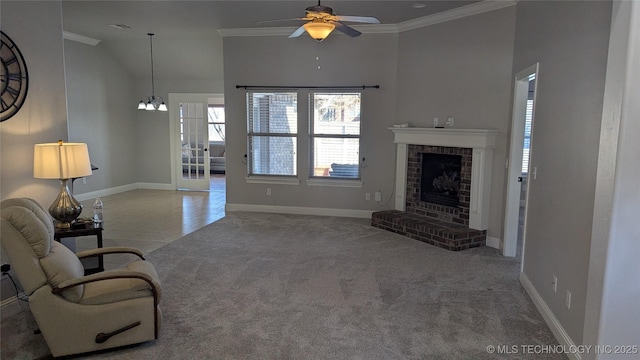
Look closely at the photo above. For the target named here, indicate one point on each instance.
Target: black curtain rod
(247, 87)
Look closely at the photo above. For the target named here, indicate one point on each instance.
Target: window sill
(356, 183)
(285, 180)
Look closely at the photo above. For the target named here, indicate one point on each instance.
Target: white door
(189, 113)
(519, 173)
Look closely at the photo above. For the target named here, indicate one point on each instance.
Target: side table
(89, 229)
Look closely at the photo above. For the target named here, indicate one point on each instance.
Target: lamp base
(65, 209)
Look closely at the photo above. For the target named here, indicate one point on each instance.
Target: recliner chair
(78, 313)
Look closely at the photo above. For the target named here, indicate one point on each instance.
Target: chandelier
(153, 102)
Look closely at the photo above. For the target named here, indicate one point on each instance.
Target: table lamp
(62, 161)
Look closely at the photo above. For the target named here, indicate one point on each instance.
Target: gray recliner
(78, 313)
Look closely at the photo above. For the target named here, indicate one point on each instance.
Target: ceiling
(190, 27)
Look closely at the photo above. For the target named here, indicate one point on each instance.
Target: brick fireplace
(450, 225)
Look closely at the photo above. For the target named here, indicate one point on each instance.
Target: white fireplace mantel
(482, 141)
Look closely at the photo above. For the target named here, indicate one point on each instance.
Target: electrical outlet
(378, 196)
(268, 191)
(5, 268)
(367, 196)
(555, 283)
(84, 181)
(568, 302)
(450, 121)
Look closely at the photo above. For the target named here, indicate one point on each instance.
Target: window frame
(214, 123)
(332, 180)
(270, 178)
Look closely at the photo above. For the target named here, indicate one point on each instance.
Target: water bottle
(97, 211)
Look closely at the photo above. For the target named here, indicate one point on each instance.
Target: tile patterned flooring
(150, 219)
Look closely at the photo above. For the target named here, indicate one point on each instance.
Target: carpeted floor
(270, 286)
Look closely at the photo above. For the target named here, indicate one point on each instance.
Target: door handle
(519, 179)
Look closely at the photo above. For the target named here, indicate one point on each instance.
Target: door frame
(174, 124)
(514, 187)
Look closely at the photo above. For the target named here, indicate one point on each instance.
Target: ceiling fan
(321, 21)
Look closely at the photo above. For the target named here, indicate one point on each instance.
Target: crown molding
(376, 28)
(80, 38)
(453, 14)
(457, 13)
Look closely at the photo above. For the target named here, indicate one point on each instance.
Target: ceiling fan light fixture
(319, 30)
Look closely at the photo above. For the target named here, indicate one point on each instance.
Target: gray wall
(614, 246)
(102, 113)
(570, 41)
(128, 146)
(152, 128)
(462, 68)
(369, 59)
(36, 28)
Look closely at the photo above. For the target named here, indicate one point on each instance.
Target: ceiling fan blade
(346, 29)
(360, 19)
(299, 31)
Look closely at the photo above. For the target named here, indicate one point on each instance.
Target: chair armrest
(108, 275)
(109, 250)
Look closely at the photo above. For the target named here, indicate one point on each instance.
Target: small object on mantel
(403, 125)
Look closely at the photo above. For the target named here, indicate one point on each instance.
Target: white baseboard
(156, 186)
(121, 189)
(299, 210)
(493, 242)
(105, 192)
(548, 316)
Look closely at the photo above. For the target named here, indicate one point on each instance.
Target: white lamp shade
(141, 105)
(319, 30)
(162, 107)
(61, 161)
(150, 106)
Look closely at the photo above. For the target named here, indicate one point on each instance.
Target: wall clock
(14, 79)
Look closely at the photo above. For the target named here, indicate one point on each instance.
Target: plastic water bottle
(97, 211)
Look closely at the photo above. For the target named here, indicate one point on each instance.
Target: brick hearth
(440, 233)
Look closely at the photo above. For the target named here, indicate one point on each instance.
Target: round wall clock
(14, 79)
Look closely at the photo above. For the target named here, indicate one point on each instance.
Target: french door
(189, 115)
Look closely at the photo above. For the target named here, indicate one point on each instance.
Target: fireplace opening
(440, 179)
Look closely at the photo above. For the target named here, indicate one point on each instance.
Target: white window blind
(335, 134)
(272, 127)
(527, 137)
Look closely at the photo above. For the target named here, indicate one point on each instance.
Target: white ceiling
(190, 27)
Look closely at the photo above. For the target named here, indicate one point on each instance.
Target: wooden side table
(89, 229)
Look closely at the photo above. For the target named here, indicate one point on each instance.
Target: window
(527, 137)
(335, 134)
(528, 119)
(216, 123)
(272, 127)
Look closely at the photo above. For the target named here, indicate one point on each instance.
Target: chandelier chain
(153, 85)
